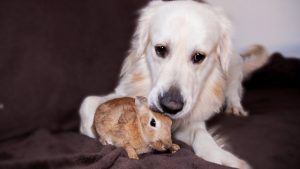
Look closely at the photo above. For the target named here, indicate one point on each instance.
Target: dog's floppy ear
(224, 49)
(141, 35)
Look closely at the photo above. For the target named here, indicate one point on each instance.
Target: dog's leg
(233, 97)
(234, 88)
(205, 147)
(87, 110)
(242, 67)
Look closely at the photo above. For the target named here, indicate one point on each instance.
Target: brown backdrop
(54, 53)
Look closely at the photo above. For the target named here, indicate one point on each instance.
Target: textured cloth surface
(54, 53)
(43, 150)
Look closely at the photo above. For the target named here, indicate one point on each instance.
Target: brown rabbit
(129, 123)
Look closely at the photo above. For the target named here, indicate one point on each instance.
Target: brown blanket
(54, 53)
(43, 149)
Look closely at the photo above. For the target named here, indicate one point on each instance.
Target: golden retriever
(181, 58)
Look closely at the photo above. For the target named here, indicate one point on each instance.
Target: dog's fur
(185, 27)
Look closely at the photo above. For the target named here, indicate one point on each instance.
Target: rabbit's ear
(140, 101)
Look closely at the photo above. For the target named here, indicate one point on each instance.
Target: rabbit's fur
(126, 122)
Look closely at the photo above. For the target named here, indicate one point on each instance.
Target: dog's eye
(153, 122)
(198, 57)
(161, 51)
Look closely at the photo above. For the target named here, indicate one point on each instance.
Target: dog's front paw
(226, 158)
(236, 110)
(235, 162)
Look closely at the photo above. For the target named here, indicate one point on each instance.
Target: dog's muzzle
(171, 101)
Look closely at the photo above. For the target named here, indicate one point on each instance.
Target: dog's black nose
(171, 101)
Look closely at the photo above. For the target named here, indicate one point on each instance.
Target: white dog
(182, 59)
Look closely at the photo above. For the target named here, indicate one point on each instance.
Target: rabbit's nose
(171, 101)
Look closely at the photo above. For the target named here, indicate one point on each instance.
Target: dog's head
(182, 42)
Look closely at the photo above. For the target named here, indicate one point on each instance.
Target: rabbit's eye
(153, 123)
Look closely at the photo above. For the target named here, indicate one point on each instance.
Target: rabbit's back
(114, 119)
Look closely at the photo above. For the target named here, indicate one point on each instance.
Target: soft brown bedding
(54, 53)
